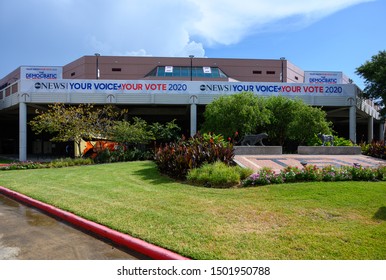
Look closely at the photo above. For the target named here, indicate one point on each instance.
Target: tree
(242, 113)
(283, 111)
(74, 123)
(307, 122)
(167, 132)
(374, 73)
(292, 119)
(131, 133)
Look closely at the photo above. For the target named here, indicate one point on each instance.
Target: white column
(193, 119)
(22, 131)
(382, 131)
(353, 123)
(370, 129)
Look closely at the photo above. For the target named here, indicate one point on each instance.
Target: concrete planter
(258, 150)
(328, 150)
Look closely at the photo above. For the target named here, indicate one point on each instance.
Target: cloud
(180, 28)
(153, 27)
(228, 21)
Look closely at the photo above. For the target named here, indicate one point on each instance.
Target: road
(28, 234)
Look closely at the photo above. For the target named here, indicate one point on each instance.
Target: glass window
(184, 71)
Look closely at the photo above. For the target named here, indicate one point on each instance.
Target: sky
(317, 35)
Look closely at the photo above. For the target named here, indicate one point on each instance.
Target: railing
(9, 89)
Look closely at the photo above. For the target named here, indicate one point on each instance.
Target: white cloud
(153, 27)
(228, 21)
(180, 28)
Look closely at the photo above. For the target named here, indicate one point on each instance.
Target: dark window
(256, 72)
(72, 74)
(116, 69)
(271, 72)
(184, 71)
(296, 78)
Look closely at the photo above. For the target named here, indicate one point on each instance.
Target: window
(72, 74)
(116, 69)
(184, 71)
(296, 78)
(271, 72)
(257, 72)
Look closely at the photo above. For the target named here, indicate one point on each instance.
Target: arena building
(166, 88)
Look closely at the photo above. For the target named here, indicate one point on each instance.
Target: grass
(324, 220)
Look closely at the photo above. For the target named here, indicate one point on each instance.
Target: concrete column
(22, 131)
(353, 123)
(370, 130)
(382, 131)
(193, 119)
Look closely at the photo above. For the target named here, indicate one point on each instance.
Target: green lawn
(342, 220)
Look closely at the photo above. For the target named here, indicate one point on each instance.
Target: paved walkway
(278, 162)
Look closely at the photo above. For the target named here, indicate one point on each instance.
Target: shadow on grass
(151, 174)
(380, 214)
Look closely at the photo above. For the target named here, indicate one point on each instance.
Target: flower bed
(311, 173)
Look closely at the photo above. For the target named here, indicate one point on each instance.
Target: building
(167, 88)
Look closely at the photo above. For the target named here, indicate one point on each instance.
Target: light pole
(97, 65)
(282, 69)
(191, 66)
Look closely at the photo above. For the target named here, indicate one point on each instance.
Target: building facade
(166, 88)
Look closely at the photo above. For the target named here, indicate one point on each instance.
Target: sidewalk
(278, 162)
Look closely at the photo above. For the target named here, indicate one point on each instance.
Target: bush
(63, 162)
(66, 162)
(381, 173)
(23, 165)
(338, 141)
(217, 174)
(264, 177)
(375, 149)
(312, 173)
(176, 159)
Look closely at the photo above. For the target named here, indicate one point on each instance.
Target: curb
(138, 245)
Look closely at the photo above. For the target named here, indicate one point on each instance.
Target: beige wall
(133, 68)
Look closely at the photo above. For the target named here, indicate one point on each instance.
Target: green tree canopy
(283, 111)
(282, 118)
(131, 133)
(242, 113)
(74, 123)
(307, 122)
(292, 119)
(374, 73)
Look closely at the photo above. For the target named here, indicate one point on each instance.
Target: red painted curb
(153, 251)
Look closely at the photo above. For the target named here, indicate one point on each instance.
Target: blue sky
(325, 35)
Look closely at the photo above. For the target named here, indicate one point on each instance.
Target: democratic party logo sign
(41, 73)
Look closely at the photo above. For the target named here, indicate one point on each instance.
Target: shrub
(23, 165)
(363, 174)
(381, 173)
(375, 149)
(332, 173)
(312, 173)
(217, 174)
(66, 162)
(338, 141)
(290, 173)
(176, 159)
(265, 176)
(62, 162)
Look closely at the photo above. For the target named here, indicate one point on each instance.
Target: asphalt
(28, 234)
